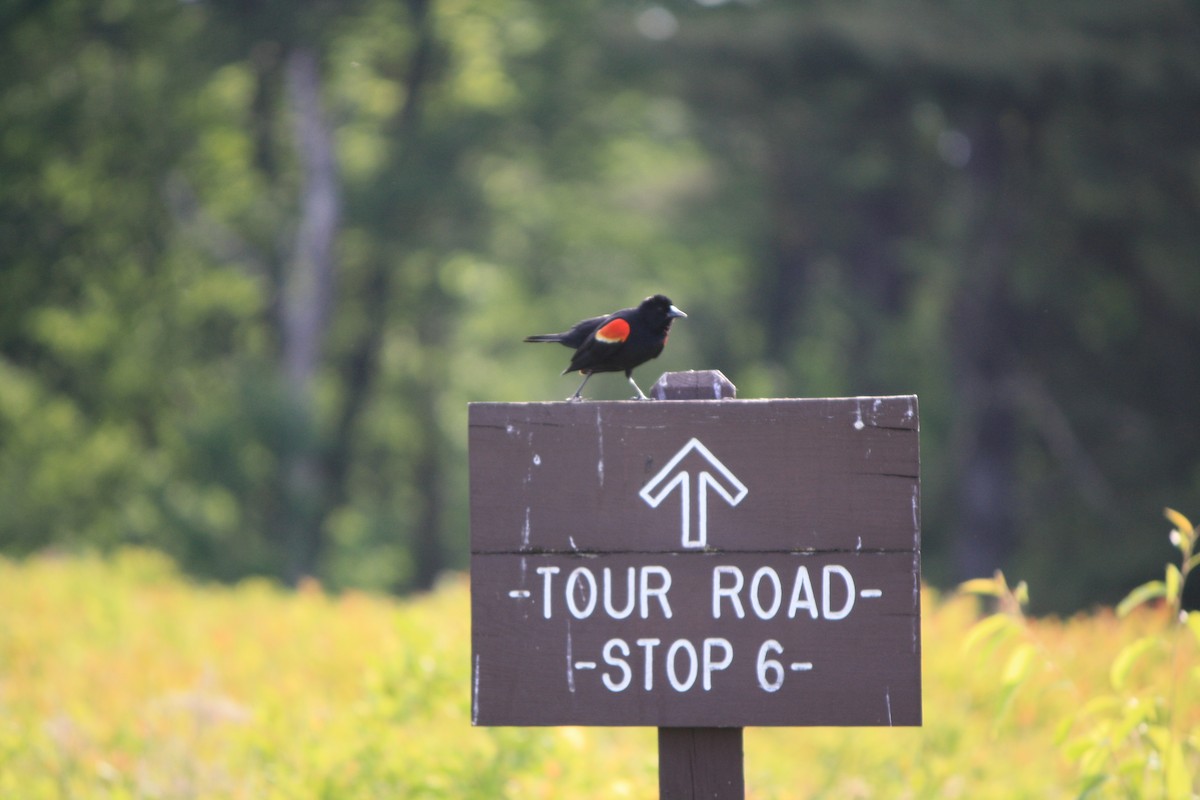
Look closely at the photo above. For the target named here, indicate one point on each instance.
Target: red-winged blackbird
(617, 342)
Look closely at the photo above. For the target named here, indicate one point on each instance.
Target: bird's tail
(545, 337)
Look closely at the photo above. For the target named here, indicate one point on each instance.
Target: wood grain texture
(700, 763)
(865, 667)
(708, 384)
(803, 603)
(564, 477)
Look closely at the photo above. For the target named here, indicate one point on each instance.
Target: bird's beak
(675, 312)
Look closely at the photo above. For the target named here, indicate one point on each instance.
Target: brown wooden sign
(721, 563)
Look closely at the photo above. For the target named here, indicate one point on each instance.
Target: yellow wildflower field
(119, 678)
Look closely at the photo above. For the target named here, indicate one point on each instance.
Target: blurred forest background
(257, 256)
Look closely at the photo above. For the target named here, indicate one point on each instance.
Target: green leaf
(1142, 594)
(1007, 694)
(995, 627)
(1181, 523)
(1174, 584)
(1193, 623)
(1094, 760)
(1019, 665)
(988, 587)
(1192, 563)
(1101, 705)
(1136, 714)
(1090, 784)
(1075, 749)
(1126, 659)
(1178, 779)
(1157, 736)
(1063, 729)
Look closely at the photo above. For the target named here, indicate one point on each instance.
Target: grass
(121, 679)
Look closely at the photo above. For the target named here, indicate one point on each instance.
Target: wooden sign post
(699, 762)
(698, 566)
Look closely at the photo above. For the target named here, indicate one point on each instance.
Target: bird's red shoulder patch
(614, 331)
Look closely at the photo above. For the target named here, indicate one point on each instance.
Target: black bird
(617, 342)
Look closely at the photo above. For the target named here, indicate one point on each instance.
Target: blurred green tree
(987, 206)
(255, 258)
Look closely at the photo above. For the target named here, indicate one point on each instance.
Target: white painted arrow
(661, 485)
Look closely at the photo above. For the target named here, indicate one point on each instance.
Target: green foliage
(1170, 590)
(1139, 736)
(988, 207)
(120, 678)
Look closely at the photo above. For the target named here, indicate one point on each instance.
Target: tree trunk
(982, 337)
(306, 301)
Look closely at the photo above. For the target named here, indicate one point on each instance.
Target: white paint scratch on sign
(570, 662)
(600, 446)
(475, 695)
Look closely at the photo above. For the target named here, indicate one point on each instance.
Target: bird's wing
(606, 338)
(582, 330)
(571, 338)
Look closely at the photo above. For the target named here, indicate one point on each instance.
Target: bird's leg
(640, 394)
(575, 397)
